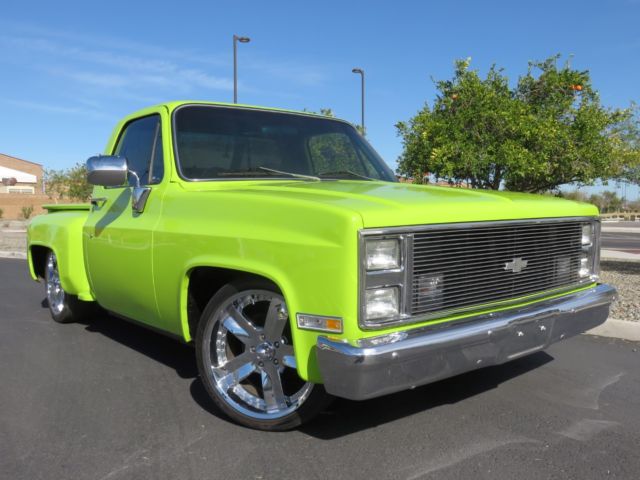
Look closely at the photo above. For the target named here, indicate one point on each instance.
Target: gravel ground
(625, 276)
(13, 237)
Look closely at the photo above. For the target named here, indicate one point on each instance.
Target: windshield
(235, 143)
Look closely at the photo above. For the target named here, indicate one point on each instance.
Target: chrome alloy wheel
(249, 350)
(55, 293)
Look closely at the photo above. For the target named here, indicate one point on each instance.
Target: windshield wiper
(291, 174)
(344, 172)
(260, 171)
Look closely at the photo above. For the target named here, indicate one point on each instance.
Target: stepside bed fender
(61, 232)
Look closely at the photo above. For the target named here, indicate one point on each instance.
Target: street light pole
(236, 39)
(361, 72)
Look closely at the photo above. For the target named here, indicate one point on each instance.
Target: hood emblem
(516, 265)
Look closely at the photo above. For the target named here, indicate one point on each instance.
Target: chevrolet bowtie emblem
(516, 265)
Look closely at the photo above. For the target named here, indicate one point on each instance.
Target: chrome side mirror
(107, 170)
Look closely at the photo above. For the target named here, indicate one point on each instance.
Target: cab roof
(172, 105)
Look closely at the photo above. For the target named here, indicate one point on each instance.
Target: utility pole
(236, 39)
(361, 73)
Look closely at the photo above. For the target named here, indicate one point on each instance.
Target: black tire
(214, 321)
(64, 307)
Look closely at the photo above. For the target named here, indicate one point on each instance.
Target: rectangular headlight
(383, 254)
(381, 302)
(587, 234)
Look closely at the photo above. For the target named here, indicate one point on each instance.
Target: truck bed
(62, 207)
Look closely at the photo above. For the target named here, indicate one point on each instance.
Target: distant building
(20, 176)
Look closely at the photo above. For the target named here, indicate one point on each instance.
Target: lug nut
(261, 337)
(276, 344)
(260, 364)
(253, 349)
(275, 361)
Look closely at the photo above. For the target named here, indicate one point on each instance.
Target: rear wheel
(64, 307)
(246, 359)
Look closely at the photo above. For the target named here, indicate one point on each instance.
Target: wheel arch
(208, 267)
(37, 258)
(202, 282)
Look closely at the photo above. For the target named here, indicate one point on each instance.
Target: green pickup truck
(281, 245)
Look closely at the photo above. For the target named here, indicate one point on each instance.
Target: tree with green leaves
(334, 152)
(629, 133)
(606, 201)
(549, 129)
(71, 183)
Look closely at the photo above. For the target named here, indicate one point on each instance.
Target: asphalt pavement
(623, 241)
(111, 400)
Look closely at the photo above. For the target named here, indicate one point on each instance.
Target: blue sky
(70, 70)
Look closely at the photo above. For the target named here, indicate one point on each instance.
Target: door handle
(98, 201)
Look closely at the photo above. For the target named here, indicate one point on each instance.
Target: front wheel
(246, 360)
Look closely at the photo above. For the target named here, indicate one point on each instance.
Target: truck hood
(385, 204)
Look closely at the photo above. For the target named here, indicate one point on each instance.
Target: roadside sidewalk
(619, 256)
(13, 239)
(609, 229)
(12, 254)
(617, 329)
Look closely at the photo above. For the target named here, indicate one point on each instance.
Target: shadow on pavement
(161, 348)
(343, 417)
(346, 417)
(201, 397)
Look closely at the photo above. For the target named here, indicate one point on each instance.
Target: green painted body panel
(301, 235)
(62, 232)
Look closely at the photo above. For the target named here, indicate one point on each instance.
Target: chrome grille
(460, 268)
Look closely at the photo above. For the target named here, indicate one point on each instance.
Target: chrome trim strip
(389, 363)
(597, 244)
(405, 317)
(490, 223)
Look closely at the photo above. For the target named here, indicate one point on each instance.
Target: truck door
(118, 241)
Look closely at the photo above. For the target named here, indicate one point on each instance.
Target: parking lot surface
(111, 400)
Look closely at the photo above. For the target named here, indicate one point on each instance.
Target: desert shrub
(27, 211)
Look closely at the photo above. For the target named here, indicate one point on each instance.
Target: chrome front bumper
(395, 362)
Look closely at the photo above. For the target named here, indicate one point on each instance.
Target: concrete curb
(617, 329)
(618, 256)
(6, 254)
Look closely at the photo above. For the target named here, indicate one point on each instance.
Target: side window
(334, 152)
(141, 145)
